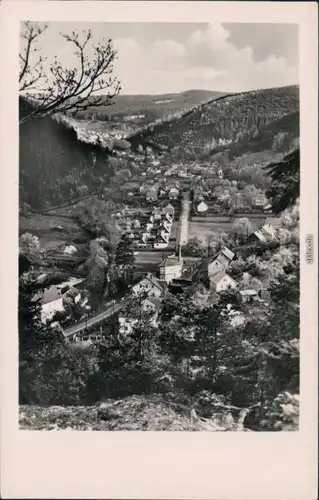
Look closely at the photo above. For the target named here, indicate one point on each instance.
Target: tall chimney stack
(179, 253)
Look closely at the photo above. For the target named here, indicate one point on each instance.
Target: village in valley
(161, 209)
(158, 255)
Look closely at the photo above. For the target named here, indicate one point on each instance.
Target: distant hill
(147, 108)
(57, 163)
(224, 120)
(54, 165)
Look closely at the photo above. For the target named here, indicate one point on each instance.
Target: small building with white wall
(222, 282)
(171, 268)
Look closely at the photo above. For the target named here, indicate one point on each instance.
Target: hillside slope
(54, 165)
(149, 107)
(228, 118)
(135, 413)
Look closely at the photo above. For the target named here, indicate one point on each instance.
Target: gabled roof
(169, 208)
(248, 292)
(259, 235)
(219, 276)
(228, 253)
(155, 301)
(274, 221)
(223, 259)
(268, 229)
(72, 292)
(215, 262)
(173, 261)
(149, 277)
(162, 235)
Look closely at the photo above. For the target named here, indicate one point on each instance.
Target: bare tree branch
(66, 90)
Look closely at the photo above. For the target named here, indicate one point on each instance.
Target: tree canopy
(51, 87)
(284, 190)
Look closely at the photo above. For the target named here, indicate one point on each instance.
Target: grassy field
(47, 229)
(200, 227)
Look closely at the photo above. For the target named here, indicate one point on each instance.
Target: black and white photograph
(159, 188)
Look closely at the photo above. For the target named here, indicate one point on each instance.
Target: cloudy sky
(155, 58)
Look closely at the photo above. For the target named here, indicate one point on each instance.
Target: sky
(159, 58)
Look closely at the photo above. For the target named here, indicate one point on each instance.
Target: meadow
(203, 227)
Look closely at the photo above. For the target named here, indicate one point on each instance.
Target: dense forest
(148, 107)
(227, 118)
(55, 166)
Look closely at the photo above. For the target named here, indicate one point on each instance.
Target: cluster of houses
(152, 290)
(157, 230)
(155, 192)
(268, 231)
(217, 269)
(54, 299)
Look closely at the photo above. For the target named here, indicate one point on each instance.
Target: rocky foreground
(135, 413)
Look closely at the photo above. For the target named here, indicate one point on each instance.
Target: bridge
(111, 308)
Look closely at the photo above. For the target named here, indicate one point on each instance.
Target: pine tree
(285, 186)
(124, 256)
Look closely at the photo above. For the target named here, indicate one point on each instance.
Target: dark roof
(153, 280)
(155, 301)
(222, 259)
(229, 254)
(170, 261)
(259, 235)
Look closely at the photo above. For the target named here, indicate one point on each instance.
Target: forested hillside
(54, 165)
(148, 108)
(224, 120)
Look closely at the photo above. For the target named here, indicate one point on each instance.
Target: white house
(150, 306)
(271, 226)
(70, 250)
(49, 309)
(169, 209)
(221, 282)
(215, 267)
(126, 324)
(171, 268)
(52, 298)
(167, 217)
(162, 240)
(144, 237)
(248, 295)
(150, 285)
(136, 223)
(259, 200)
(166, 226)
(157, 214)
(202, 207)
(173, 193)
(269, 230)
(151, 194)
